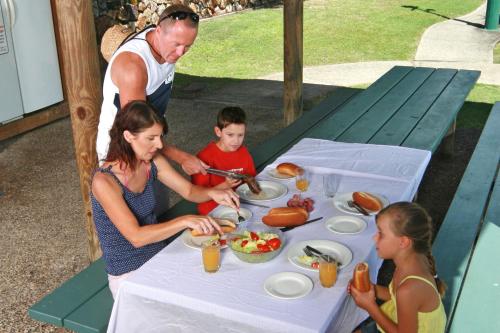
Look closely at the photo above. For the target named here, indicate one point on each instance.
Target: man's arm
(189, 163)
(129, 74)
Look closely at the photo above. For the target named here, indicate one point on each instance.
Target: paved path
(457, 43)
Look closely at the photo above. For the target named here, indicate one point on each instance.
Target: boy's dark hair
(230, 115)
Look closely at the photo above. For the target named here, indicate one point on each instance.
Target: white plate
(340, 202)
(230, 214)
(195, 242)
(346, 224)
(273, 173)
(288, 285)
(339, 251)
(271, 190)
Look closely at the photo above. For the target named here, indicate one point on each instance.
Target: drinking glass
(211, 255)
(331, 184)
(303, 180)
(327, 272)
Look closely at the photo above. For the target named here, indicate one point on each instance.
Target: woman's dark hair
(135, 117)
(412, 220)
(230, 115)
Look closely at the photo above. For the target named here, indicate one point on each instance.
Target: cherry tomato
(275, 243)
(264, 247)
(254, 236)
(315, 265)
(222, 242)
(244, 242)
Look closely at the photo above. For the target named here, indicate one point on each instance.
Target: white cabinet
(31, 64)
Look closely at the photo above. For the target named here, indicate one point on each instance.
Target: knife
(290, 228)
(360, 209)
(222, 173)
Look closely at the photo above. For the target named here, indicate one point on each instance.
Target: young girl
(413, 299)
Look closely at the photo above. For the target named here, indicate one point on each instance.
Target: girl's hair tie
(436, 276)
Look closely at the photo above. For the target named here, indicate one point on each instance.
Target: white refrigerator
(29, 69)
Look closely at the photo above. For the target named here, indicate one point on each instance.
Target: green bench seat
(467, 246)
(391, 111)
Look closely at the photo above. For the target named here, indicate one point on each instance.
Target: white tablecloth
(172, 293)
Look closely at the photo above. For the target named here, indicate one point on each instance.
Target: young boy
(226, 154)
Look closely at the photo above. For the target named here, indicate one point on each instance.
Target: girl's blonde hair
(412, 220)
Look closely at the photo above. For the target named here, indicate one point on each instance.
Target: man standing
(143, 69)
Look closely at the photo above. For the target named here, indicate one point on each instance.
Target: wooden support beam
(293, 41)
(74, 26)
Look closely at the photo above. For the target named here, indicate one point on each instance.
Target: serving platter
(288, 285)
(339, 251)
(340, 202)
(271, 190)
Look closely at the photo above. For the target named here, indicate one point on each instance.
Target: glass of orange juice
(302, 180)
(327, 272)
(210, 252)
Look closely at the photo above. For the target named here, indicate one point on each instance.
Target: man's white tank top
(158, 88)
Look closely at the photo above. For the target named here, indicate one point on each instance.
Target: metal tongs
(229, 174)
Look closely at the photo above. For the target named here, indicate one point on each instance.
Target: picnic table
(412, 107)
(172, 291)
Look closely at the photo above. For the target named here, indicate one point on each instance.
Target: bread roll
(226, 226)
(285, 217)
(367, 201)
(361, 277)
(289, 169)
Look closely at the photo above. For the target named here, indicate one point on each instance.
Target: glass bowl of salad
(256, 243)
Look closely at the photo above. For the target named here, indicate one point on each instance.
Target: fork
(240, 218)
(312, 252)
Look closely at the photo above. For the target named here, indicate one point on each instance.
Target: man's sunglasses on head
(182, 16)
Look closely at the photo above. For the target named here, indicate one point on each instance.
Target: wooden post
(293, 30)
(74, 25)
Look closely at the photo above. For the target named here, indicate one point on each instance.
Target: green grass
(496, 54)
(250, 44)
(477, 106)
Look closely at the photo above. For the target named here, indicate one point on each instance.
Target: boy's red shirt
(239, 161)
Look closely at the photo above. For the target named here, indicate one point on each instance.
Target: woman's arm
(171, 178)
(109, 195)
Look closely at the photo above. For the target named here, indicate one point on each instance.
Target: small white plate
(288, 285)
(340, 202)
(345, 224)
(273, 173)
(271, 190)
(195, 242)
(230, 214)
(339, 251)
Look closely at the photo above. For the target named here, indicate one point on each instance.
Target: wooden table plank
(453, 244)
(93, 315)
(333, 126)
(478, 306)
(54, 307)
(373, 119)
(396, 130)
(437, 120)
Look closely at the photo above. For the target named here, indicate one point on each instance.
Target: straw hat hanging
(112, 38)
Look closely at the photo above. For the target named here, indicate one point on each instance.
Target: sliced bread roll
(226, 225)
